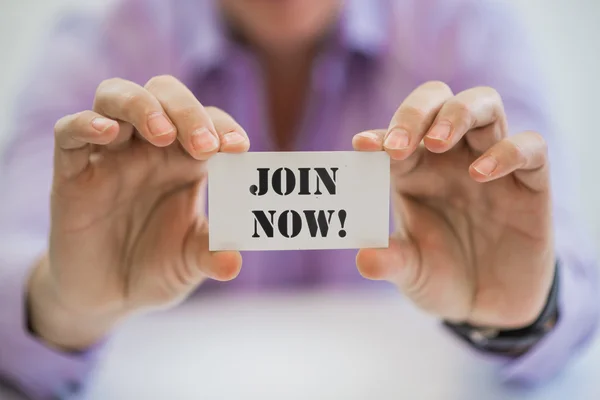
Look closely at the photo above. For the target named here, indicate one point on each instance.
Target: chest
(341, 99)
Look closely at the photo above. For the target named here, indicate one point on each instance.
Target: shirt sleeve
(484, 43)
(83, 49)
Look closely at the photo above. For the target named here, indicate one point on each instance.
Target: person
(144, 92)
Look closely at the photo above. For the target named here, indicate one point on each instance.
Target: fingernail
(102, 124)
(203, 141)
(486, 165)
(232, 138)
(398, 139)
(440, 131)
(370, 135)
(159, 125)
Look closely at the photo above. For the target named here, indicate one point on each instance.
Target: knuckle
(461, 111)
(160, 81)
(541, 141)
(212, 110)
(541, 146)
(492, 97)
(133, 101)
(107, 86)
(186, 115)
(223, 119)
(102, 91)
(544, 151)
(412, 113)
(217, 113)
(67, 123)
(515, 153)
(109, 82)
(59, 126)
(438, 86)
(117, 90)
(489, 91)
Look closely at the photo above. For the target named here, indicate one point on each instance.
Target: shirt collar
(202, 36)
(363, 27)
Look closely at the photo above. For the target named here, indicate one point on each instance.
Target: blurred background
(565, 32)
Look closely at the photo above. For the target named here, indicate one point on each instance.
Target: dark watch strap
(512, 342)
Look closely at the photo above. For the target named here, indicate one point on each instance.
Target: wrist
(56, 325)
(513, 342)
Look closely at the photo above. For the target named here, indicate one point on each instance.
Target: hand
(128, 232)
(473, 240)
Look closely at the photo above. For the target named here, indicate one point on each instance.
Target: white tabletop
(343, 345)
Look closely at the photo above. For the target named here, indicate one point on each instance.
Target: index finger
(373, 141)
(201, 130)
(476, 114)
(413, 118)
(123, 100)
(195, 129)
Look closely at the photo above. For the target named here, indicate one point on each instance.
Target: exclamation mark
(342, 216)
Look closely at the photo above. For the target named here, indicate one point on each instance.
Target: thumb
(399, 263)
(217, 265)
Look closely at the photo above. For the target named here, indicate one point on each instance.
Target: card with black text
(298, 200)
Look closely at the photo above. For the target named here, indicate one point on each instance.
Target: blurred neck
(286, 68)
(287, 77)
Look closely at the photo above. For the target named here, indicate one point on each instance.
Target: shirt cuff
(26, 363)
(579, 310)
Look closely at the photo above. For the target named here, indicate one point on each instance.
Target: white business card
(298, 200)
